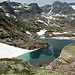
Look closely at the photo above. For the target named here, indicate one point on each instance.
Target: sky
(39, 2)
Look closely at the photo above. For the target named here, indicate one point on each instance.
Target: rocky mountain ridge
(33, 18)
(12, 34)
(16, 19)
(59, 8)
(58, 17)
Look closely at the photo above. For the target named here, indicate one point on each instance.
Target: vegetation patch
(70, 48)
(48, 73)
(15, 66)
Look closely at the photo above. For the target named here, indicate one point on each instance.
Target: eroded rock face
(26, 43)
(65, 63)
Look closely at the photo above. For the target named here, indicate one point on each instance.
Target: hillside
(12, 34)
(15, 66)
(58, 17)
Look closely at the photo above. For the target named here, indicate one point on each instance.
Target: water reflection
(41, 57)
(36, 54)
(38, 57)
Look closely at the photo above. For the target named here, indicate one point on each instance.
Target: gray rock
(65, 63)
(26, 43)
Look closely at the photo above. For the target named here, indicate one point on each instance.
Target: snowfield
(73, 6)
(58, 33)
(28, 32)
(66, 38)
(42, 32)
(7, 51)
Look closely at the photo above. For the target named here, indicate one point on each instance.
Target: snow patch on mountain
(42, 32)
(7, 14)
(61, 38)
(58, 33)
(16, 11)
(14, 16)
(49, 8)
(72, 18)
(0, 6)
(28, 32)
(73, 6)
(42, 22)
(20, 6)
(50, 12)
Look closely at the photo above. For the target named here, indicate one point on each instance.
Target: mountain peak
(57, 2)
(33, 7)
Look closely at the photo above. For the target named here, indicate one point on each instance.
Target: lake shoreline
(7, 51)
(56, 45)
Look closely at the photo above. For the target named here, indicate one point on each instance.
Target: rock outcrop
(63, 8)
(65, 63)
(34, 8)
(26, 43)
(16, 66)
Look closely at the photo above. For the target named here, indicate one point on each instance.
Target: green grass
(72, 44)
(26, 70)
(70, 48)
(48, 73)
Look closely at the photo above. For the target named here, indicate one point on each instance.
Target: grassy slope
(70, 48)
(15, 66)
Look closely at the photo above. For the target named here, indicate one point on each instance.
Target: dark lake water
(45, 56)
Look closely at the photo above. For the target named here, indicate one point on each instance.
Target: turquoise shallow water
(45, 56)
(38, 57)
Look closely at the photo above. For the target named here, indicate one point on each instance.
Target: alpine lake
(45, 56)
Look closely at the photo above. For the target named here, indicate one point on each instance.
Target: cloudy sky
(40, 2)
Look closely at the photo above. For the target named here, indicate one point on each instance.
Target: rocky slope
(59, 8)
(58, 17)
(65, 63)
(15, 66)
(46, 8)
(22, 15)
(27, 42)
(62, 8)
(12, 34)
